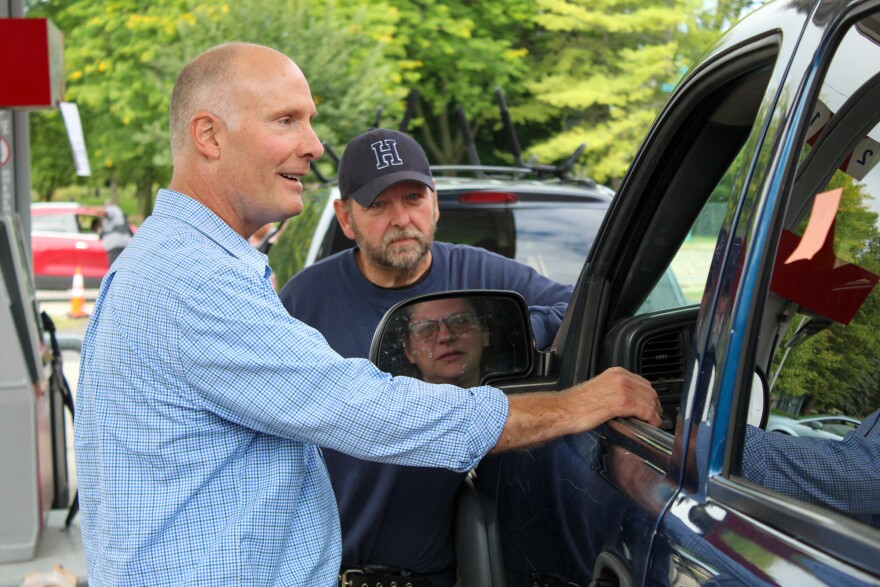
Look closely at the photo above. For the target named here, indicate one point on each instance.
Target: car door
(628, 503)
(587, 507)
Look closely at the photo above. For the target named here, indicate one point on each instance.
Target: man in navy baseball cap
(398, 517)
(379, 159)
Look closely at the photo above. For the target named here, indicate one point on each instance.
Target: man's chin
(294, 209)
(403, 257)
(405, 262)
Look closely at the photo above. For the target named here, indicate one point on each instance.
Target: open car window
(822, 315)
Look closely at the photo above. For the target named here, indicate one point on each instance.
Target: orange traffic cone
(77, 297)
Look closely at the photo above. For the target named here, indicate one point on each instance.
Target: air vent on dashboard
(662, 363)
(663, 357)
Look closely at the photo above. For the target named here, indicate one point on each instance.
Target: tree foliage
(456, 52)
(573, 71)
(122, 58)
(838, 369)
(111, 51)
(604, 72)
(51, 159)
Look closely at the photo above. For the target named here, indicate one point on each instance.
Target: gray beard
(404, 259)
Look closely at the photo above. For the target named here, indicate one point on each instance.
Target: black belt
(380, 577)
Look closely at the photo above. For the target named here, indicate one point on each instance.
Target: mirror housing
(464, 337)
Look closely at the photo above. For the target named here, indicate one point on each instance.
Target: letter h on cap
(386, 153)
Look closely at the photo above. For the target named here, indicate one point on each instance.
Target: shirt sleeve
(546, 321)
(547, 299)
(245, 359)
(840, 474)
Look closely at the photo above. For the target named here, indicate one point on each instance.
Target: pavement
(57, 545)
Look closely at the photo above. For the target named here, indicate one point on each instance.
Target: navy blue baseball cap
(378, 159)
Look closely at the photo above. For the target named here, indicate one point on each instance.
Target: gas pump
(32, 478)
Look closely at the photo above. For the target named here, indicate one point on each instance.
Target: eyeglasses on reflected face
(425, 330)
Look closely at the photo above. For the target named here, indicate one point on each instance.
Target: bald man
(201, 403)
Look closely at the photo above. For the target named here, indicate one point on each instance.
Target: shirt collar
(173, 204)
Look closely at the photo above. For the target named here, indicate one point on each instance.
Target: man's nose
(399, 214)
(311, 147)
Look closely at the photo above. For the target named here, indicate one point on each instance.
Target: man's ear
(436, 203)
(204, 129)
(343, 215)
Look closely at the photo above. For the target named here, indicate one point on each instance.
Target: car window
(554, 241)
(823, 305)
(688, 273)
(839, 427)
(86, 222)
(53, 223)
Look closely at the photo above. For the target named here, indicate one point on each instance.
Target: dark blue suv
(757, 187)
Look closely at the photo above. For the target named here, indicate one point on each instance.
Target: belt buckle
(345, 579)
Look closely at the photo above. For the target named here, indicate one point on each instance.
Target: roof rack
(561, 171)
(482, 171)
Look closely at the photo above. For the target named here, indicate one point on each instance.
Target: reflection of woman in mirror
(445, 341)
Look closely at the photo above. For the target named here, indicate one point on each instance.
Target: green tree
(52, 164)
(122, 58)
(455, 52)
(604, 72)
(111, 51)
(838, 369)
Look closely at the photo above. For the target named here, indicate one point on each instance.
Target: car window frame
(578, 350)
(832, 533)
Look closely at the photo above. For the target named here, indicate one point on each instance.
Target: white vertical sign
(77, 141)
(863, 158)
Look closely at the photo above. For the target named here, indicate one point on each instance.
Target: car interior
(656, 344)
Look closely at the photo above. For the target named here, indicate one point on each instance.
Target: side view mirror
(464, 338)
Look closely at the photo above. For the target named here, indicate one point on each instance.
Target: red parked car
(64, 236)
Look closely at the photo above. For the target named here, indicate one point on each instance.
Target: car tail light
(487, 198)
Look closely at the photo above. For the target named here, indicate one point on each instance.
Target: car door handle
(611, 571)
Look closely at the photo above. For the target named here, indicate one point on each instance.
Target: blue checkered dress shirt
(840, 474)
(200, 408)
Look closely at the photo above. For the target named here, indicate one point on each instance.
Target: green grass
(691, 265)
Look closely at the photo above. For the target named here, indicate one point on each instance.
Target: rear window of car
(555, 241)
(53, 223)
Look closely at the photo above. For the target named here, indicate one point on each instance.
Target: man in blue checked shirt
(843, 475)
(201, 403)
